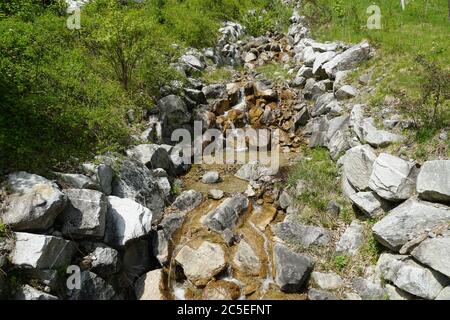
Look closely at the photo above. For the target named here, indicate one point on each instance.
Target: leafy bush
(274, 17)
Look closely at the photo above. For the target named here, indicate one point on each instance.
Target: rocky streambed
(150, 225)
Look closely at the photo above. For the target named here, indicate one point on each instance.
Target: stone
(215, 91)
(245, 260)
(192, 62)
(249, 57)
(137, 259)
(150, 286)
(305, 72)
(435, 253)
(409, 220)
(309, 56)
(348, 59)
(254, 171)
(338, 144)
(444, 294)
(84, 215)
(323, 104)
(351, 240)
(174, 115)
(92, 287)
(411, 277)
(285, 200)
(302, 235)
(40, 251)
(126, 220)
(27, 292)
(76, 181)
(211, 177)
(216, 194)
(339, 80)
(135, 181)
(358, 165)
(333, 207)
(104, 260)
(394, 293)
(370, 204)
(433, 181)
(226, 215)
(33, 202)
(368, 290)
(102, 174)
(168, 226)
(393, 178)
(367, 132)
(201, 264)
(188, 200)
(291, 269)
(221, 290)
(346, 92)
(314, 294)
(322, 58)
(326, 281)
(153, 156)
(352, 296)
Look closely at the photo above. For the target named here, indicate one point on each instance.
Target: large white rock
(410, 276)
(433, 182)
(201, 264)
(348, 59)
(435, 253)
(85, 214)
(33, 202)
(126, 220)
(393, 178)
(150, 286)
(254, 171)
(301, 235)
(327, 281)
(41, 252)
(369, 203)
(409, 220)
(358, 165)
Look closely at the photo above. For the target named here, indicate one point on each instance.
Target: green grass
(3, 230)
(273, 71)
(320, 175)
(422, 29)
(219, 75)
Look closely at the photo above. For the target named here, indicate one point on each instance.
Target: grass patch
(273, 71)
(219, 75)
(319, 177)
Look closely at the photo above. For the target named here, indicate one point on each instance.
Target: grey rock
(368, 290)
(135, 181)
(410, 276)
(348, 59)
(433, 182)
(326, 281)
(104, 260)
(314, 294)
(285, 200)
(211, 177)
(216, 194)
(168, 226)
(227, 213)
(291, 269)
(101, 174)
(92, 288)
(305, 72)
(393, 178)
(254, 171)
(215, 91)
(333, 207)
(358, 165)
(76, 181)
(188, 200)
(323, 104)
(126, 220)
(85, 214)
(322, 58)
(370, 204)
(367, 132)
(346, 92)
(395, 293)
(338, 144)
(174, 115)
(33, 202)
(409, 220)
(41, 252)
(27, 292)
(352, 239)
(435, 253)
(339, 80)
(192, 62)
(303, 235)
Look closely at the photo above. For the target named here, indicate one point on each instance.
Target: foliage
(275, 17)
(340, 262)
